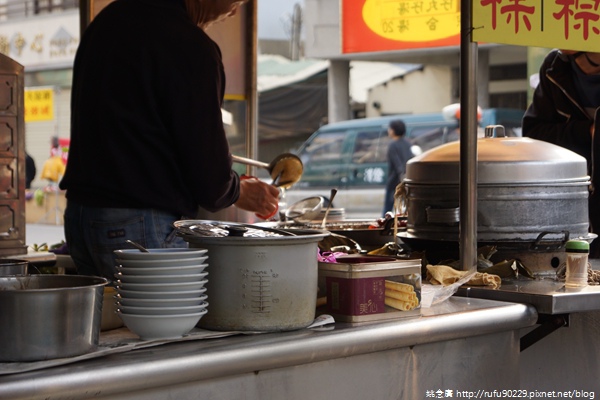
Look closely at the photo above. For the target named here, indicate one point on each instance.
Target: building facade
(42, 35)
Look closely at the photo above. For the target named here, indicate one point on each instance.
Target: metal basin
(44, 317)
(10, 267)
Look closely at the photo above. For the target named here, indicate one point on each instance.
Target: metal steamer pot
(265, 283)
(45, 317)
(531, 196)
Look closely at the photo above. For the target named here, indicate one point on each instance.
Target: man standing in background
(399, 153)
(565, 111)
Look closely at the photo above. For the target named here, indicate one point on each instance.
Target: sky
(274, 18)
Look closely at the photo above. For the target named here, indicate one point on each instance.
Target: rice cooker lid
(501, 160)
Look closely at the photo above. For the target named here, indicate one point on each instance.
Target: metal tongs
(202, 228)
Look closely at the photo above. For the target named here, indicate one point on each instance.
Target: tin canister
(369, 288)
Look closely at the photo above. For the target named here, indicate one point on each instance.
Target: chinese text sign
(39, 105)
(383, 25)
(565, 24)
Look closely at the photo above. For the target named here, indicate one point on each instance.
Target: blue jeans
(94, 233)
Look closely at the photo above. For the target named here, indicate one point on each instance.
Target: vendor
(564, 111)
(147, 139)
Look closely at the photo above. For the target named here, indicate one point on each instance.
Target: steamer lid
(501, 160)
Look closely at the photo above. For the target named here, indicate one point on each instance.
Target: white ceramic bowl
(189, 301)
(185, 270)
(150, 327)
(138, 294)
(166, 263)
(157, 254)
(127, 278)
(181, 310)
(162, 287)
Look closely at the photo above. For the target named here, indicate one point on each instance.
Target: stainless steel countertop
(178, 363)
(546, 293)
(548, 296)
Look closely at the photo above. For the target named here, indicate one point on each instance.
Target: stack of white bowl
(161, 293)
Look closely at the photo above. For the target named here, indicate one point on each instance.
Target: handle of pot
(445, 216)
(494, 131)
(249, 161)
(401, 198)
(551, 244)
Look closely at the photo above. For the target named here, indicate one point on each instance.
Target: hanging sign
(384, 25)
(39, 105)
(564, 24)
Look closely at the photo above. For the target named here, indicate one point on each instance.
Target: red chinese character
(585, 17)
(564, 13)
(493, 3)
(515, 10)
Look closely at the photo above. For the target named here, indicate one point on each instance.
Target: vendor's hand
(258, 197)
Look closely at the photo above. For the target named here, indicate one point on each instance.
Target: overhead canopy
(293, 94)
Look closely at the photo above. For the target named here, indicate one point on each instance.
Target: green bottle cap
(578, 246)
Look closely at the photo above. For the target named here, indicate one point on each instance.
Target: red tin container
(369, 288)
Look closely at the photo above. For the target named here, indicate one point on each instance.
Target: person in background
(148, 146)
(53, 169)
(30, 170)
(399, 152)
(55, 149)
(564, 111)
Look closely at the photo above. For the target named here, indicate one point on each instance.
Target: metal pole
(251, 89)
(296, 30)
(468, 141)
(85, 12)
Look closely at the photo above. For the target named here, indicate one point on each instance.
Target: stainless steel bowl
(11, 267)
(49, 316)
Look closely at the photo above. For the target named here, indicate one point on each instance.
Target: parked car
(351, 156)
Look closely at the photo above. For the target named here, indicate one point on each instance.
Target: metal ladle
(137, 246)
(285, 170)
(331, 196)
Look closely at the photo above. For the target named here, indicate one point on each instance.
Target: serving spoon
(285, 170)
(137, 246)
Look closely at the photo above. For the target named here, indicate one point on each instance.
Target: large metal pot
(49, 316)
(525, 188)
(532, 197)
(260, 283)
(12, 267)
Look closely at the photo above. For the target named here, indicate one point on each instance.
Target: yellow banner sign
(564, 24)
(39, 105)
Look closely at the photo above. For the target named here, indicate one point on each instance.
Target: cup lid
(578, 246)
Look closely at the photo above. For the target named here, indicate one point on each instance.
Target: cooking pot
(256, 283)
(49, 316)
(368, 234)
(525, 187)
(10, 267)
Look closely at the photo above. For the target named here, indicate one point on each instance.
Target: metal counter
(446, 348)
(547, 295)
(562, 350)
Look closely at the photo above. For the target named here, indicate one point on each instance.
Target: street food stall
(531, 335)
(459, 345)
